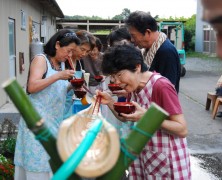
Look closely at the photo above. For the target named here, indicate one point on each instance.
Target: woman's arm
(176, 125)
(37, 68)
(109, 101)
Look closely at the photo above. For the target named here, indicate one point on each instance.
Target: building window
(206, 35)
(209, 40)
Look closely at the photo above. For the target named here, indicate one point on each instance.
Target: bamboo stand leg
(136, 140)
(34, 122)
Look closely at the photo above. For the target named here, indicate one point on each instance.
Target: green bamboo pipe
(137, 139)
(34, 123)
(22, 103)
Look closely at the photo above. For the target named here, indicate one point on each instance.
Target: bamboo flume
(131, 147)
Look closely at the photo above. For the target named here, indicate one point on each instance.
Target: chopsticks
(87, 90)
(98, 100)
(71, 63)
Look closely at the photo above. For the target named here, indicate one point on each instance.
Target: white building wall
(199, 28)
(12, 9)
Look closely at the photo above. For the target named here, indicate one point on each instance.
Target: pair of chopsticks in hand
(71, 63)
(98, 100)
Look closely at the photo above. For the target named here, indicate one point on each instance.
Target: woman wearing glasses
(92, 64)
(47, 88)
(166, 155)
(87, 43)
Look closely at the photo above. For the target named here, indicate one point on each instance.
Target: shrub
(8, 146)
(6, 169)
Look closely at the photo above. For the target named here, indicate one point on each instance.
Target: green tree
(125, 13)
(189, 30)
(156, 17)
(78, 17)
(189, 35)
(117, 17)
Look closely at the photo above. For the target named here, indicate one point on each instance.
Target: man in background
(159, 53)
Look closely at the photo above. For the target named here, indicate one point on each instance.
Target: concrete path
(205, 134)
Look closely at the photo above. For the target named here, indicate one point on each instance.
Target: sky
(108, 9)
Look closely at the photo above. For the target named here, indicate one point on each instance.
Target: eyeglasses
(117, 76)
(85, 50)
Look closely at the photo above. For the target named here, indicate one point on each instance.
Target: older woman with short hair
(166, 155)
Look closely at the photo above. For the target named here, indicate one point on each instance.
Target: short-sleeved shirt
(165, 156)
(93, 67)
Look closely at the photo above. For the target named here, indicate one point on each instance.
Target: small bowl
(98, 78)
(80, 93)
(114, 87)
(77, 83)
(124, 107)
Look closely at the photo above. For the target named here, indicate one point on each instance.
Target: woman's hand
(137, 115)
(65, 74)
(106, 98)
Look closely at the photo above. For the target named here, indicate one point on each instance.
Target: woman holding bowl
(166, 155)
(47, 87)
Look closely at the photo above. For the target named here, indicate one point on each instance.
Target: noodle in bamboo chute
(104, 152)
(70, 165)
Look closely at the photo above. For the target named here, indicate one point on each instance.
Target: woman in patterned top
(47, 87)
(166, 155)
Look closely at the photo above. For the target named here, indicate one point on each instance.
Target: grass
(102, 32)
(203, 56)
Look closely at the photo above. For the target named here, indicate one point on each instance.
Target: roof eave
(52, 7)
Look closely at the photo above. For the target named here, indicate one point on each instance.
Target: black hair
(141, 21)
(121, 57)
(118, 35)
(99, 44)
(64, 37)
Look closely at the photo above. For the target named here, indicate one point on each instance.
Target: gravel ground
(205, 134)
(198, 64)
